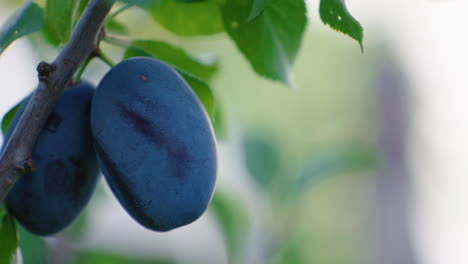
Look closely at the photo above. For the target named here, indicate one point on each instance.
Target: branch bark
(15, 159)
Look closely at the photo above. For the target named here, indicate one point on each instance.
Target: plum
(154, 142)
(49, 198)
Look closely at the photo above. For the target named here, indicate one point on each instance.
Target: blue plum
(154, 143)
(48, 199)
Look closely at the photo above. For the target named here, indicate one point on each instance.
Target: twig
(106, 59)
(82, 68)
(117, 41)
(15, 159)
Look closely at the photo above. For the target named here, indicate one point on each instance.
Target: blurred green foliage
(315, 145)
(233, 219)
(114, 26)
(113, 258)
(59, 18)
(261, 157)
(188, 19)
(27, 20)
(8, 238)
(33, 248)
(8, 117)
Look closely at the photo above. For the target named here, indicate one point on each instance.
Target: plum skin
(49, 198)
(154, 143)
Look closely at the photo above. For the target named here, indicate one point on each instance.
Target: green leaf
(80, 9)
(219, 123)
(290, 252)
(203, 92)
(335, 14)
(174, 56)
(27, 20)
(233, 219)
(141, 3)
(257, 8)
(33, 247)
(8, 117)
(187, 19)
(183, 64)
(190, 1)
(113, 258)
(270, 41)
(116, 27)
(262, 159)
(59, 18)
(332, 161)
(8, 238)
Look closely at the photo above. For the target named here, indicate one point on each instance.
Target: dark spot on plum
(88, 108)
(141, 124)
(57, 176)
(76, 162)
(150, 105)
(63, 177)
(76, 187)
(49, 198)
(59, 163)
(154, 134)
(120, 183)
(53, 123)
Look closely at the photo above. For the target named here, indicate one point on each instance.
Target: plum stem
(15, 159)
(82, 68)
(117, 41)
(101, 55)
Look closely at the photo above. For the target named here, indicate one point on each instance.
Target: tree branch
(15, 159)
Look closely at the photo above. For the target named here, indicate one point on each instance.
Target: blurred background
(364, 162)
